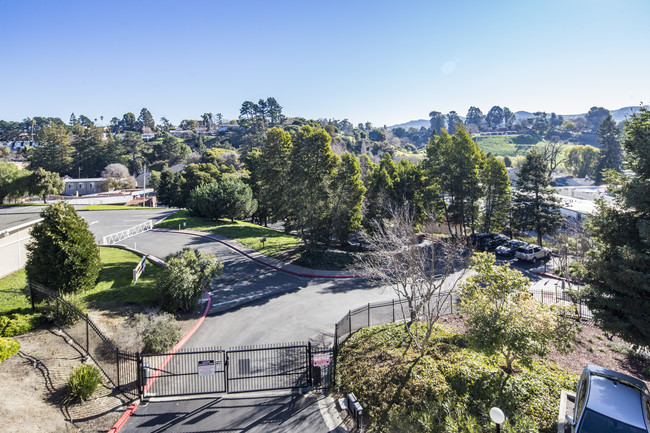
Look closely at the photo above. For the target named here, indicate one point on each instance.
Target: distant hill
(417, 124)
(618, 115)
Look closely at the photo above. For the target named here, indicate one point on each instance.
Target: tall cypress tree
(611, 154)
(496, 186)
(535, 205)
(619, 269)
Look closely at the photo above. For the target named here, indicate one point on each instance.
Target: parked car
(496, 241)
(532, 253)
(509, 248)
(486, 241)
(609, 401)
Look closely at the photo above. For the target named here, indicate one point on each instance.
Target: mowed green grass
(115, 280)
(14, 302)
(113, 287)
(502, 145)
(276, 243)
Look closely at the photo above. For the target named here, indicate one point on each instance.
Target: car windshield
(522, 250)
(593, 422)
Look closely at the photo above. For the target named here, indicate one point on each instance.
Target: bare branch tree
(423, 269)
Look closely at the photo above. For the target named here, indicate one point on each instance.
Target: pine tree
(619, 269)
(311, 168)
(454, 163)
(611, 155)
(496, 187)
(535, 205)
(63, 254)
(346, 192)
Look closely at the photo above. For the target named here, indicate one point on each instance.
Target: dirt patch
(591, 346)
(33, 382)
(33, 386)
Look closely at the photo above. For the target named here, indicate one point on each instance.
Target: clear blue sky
(381, 61)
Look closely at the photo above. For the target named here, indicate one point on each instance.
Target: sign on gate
(321, 359)
(206, 368)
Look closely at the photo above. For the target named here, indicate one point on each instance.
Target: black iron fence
(118, 366)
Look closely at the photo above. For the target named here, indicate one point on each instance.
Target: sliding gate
(239, 369)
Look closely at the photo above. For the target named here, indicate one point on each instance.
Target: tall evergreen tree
(496, 190)
(437, 120)
(311, 168)
(618, 273)
(611, 154)
(63, 254)
(453, 163)
(346, 195)
(146, 119)
(453, 119)
(272, 175)
(90, 151)
(535, 205)
(55, 150)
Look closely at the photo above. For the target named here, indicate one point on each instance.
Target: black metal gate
(186, 372)
(239, 369)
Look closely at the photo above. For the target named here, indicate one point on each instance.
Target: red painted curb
(262, 262)
(125, 416)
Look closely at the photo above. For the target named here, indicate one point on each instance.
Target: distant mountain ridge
(617, 115)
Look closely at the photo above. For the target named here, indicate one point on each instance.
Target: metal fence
(382, 313)
(124, 234)
(117, 366)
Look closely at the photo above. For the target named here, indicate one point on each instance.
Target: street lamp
(498, 417)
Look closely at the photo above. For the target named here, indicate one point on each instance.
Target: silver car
(609, 401)
(532, 253)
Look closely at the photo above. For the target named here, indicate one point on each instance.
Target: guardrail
(124, 234)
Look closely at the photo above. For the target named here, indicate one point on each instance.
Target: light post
(498, 417)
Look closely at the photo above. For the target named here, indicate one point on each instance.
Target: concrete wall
(12, 248)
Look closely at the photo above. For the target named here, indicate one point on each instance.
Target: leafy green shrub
(182, 281)
(63, 254)
(159, 332)
(16, 324)
(450, 389)
(8, 348)
(83, 381)
(62, 314)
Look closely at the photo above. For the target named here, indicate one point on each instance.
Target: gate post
(117, 362)
(226, 364)
(335, 350)
(140, 384)
(309, 363)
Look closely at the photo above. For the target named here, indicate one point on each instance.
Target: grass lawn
(248, 234)
(503, 145)
(114, 284)
(113, 287)
(14, 302)
(113, 207)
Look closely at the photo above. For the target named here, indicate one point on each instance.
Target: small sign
(218, 366)
(206, 368)
(321, 359)
(139, 269)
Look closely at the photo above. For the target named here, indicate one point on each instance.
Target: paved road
(257, 413)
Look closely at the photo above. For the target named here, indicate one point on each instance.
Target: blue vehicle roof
(611, 395)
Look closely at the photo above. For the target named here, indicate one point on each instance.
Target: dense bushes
(226, 198)
(8, 348)
(159, 332)
(187, 273)
(83, 381)
(450, 389)
(16, 324)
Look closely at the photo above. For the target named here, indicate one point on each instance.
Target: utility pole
(144, 187)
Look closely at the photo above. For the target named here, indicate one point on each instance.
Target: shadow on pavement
(272, 413)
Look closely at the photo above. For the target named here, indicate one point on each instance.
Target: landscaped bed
(453, 387)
